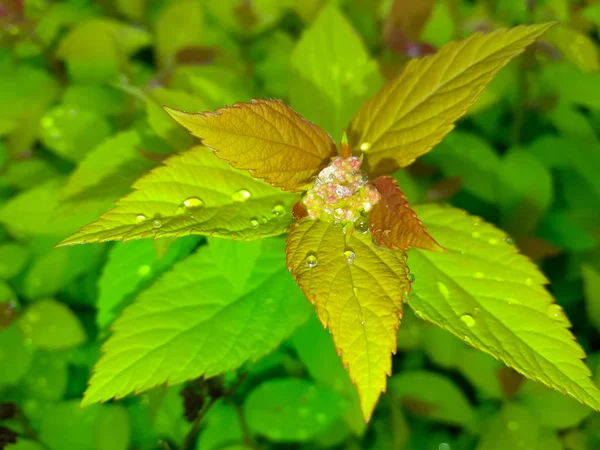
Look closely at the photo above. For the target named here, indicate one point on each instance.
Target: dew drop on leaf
(365, 146)
(411, 277)
(144, 271)
(263, 220)
(493, 241)
(254, 223)
(361, 225)
(350, 256)
(278, 209)
(241, 196)
(556, 312)
(418, 313)
(528, 281)
(467, 340)
(468, 320)
(157, 223)
(443, 289)
(140, 218)
(476, 234)
(311, 260)
(193, 203)
(479, 275)
(510, 241)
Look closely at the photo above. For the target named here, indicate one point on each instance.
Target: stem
(248, 440)
(191, 434)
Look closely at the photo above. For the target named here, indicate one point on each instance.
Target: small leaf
(576, 47)
(514, 427)
(493, 298)
(358, 292)
(221, 427)
(200, 319)
(265, 137)
(194, 193)
(433, 396)
(392, 222)
(52, 325)
(16, 356)
(332, 73)
(417, 109)
(291, 409)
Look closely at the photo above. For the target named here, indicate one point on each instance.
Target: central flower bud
(341, 192)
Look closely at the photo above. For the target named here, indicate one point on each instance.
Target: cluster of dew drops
(193, 204)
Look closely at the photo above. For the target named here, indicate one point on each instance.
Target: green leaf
(96, 49)
(331, 72)
(577, 47)
(193, 193)
(105, 101)
(358, 291)
(52, 325)
(23, 174)
(481, 370)
(291, 409)
(54, 271)
(471, 158)
(179, 26)
(226, 304)
(66, 425)
(433, 396)
(106, 174)
(417, 109)
(315, 349)
(15, 355)
(591, 283)
(46, 378)
(221, 427)
(112, 429)
(524, 191)
(487, 294)
(515, 428)
(130, 266)
(550, 408)
(13, 258)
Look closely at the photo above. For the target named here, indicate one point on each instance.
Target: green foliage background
(81, 85)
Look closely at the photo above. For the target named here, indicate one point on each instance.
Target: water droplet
(263, 220)
(193, 203)
(444, 446)
(254, 223)
(311, 260)
(556, 312)
(513, 426)
(365, 146)
(509, 240)
(528, 281)
(241, 196)
(140, 218)
(443, 289)
(476, 234)
(362, 322)
(411, 277)
(361, 225)
(467, 340)
(493, 241)
(350, 256)
(157, 223)
(144, 271)
(278, 209)
(479, 275)
(418, 313)
(468, 320)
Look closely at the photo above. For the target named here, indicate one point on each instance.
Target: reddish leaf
(393, 224)
(265, 137)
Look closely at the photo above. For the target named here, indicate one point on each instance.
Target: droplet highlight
(365, 146)
(278, 209)
(443, 289)
(140, 218)
(311, 260)
(350, 256)
(361, 225)
(468, 320)
(193, 203)
(241, 196)
(254, 223)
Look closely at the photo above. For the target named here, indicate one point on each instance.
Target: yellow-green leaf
(577, 47)
(358, 292)
(416, 110)
(486, 293)
(193, 193)
(265, 137)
